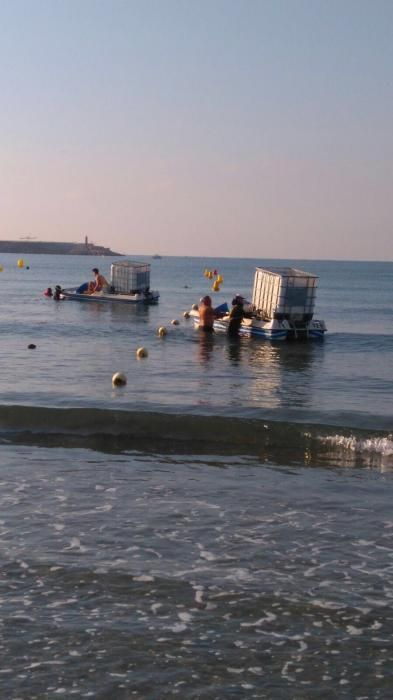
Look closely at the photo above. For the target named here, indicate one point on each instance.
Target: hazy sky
(199, 127)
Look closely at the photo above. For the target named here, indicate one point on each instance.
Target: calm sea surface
(222, 526)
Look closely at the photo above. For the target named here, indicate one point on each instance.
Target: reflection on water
(205, 346)
(284, 373)
(110, 316)
(114, 310)
(234, 349)
(262, 373)
(292, 356)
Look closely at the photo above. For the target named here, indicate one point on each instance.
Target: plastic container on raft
(284, 293)
(128, 277)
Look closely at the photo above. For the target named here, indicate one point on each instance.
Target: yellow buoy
(141, 352)
(20, 263)
(175, 322)
(220, 278)
(1, 268)
(119, 379)
(162, 331)
(216, 286)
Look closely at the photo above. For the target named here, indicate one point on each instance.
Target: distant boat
(157, 257)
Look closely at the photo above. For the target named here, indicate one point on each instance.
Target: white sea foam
(185, 616)
(199, 597)
(376, 626)
(208, 556)
(327, 604)
(178, 627)
(208, 505)
(269, 618)
(60, 603)
(143, 578)
(382, 446)
(75, 543)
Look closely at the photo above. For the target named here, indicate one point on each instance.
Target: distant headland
(28, 246)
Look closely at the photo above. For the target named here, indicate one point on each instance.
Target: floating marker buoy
(175, 322)
(186, 314)
(119, 379)
(220, 278)
(162, 331)
(1, 268)
(141, 352)
(216, 286)
(20, 263)
(31, 346)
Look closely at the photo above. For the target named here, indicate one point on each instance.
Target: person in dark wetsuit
(236, 316)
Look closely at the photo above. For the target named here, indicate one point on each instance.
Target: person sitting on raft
(99, 283)
(206, 315)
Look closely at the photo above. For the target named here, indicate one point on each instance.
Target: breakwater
(54, 248)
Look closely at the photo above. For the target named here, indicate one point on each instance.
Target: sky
(240, 128)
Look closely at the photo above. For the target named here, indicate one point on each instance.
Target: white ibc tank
(128, 277)
(284, 292)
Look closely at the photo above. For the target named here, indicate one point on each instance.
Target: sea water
(220, 527)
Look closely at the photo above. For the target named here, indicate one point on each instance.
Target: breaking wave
(277, 442)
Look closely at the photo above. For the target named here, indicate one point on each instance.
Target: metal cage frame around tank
(284, 293)
(130, 277)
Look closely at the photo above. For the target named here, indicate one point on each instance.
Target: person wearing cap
(236, 315)
(99, 283)
(206, 314)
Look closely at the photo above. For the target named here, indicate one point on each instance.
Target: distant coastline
(45, 247)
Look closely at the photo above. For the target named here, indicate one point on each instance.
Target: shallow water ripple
(160, 576)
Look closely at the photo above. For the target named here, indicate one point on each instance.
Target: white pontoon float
(129, 284)
(282, 306)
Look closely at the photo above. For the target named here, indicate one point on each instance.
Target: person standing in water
(236, 316)
(206, 315)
